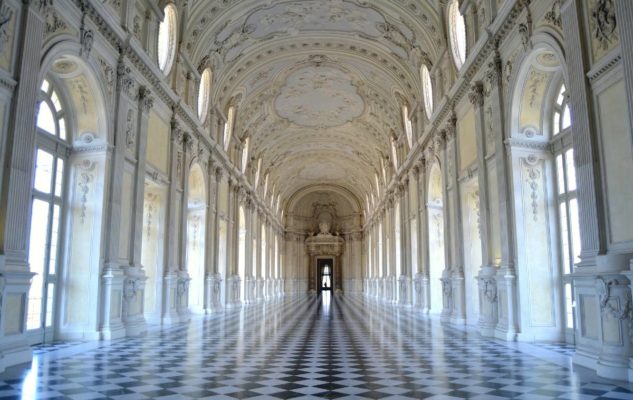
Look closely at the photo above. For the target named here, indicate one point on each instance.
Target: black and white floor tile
(317, 347)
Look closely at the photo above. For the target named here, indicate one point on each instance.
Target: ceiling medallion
(319, 96)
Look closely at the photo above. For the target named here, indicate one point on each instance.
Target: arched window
(204, 92)
(562, 115)
(406, 121)
(394, 154)
(50, 116)
(228, 127)
(47, 201)
(427, 90)
(245, 154)
(566, 194)
(457, 33)
(257, 171)
(167, 32)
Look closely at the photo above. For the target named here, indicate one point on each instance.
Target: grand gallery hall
(359, 199)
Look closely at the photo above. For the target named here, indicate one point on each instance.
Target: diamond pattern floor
(343, 347)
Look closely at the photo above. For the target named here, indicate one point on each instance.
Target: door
(325, 267)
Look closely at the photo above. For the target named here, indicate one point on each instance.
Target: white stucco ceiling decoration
(321, 81)
(319, 96)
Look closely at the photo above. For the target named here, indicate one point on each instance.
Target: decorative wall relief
(552, 17)
(603, 22)
(86, 36)
(618, 306)
(6, 14)
(130, 132)
(54, 24)
(533, 168)
(85, 170)
(489, 289)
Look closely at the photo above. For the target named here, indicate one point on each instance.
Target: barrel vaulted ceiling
(319, 84)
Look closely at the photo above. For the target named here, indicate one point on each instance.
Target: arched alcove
(541, 205)
(196, 223)
(72, 210)
(435, 206)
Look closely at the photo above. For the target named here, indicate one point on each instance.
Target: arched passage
(196, 218)
(241, 257)
(435, 205)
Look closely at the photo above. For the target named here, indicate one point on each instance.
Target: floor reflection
(321, 346)
(326, 300)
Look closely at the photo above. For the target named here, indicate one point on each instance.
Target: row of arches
(455, 241)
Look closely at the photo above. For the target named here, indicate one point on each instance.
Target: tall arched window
(228, 127)
(247, 142)
(204, 92)
(406, 121)
(457, 33)
(562, 115)
(167, 32)
(394, 153)
(47, 201)
(566, 194)
(427, 90)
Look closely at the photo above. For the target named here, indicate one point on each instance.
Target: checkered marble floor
(308, 347)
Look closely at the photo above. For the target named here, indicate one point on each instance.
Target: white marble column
(133, 315)
(505, 274)
(486, 276)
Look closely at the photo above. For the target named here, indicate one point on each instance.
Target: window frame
(59, 148)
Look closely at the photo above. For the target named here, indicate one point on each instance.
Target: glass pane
(43, 171)
(560, 173)
(56, 103)
(569, 306)
(37, 258)
(46, 119)
(566, 118)
(561, 95)
(571, 170)
(59, 177)
(62, 128)
(575, 230)
(203, 93)
(50, 301)
(564, 238)
(458, 34)
(166, 38)
(45, 86)
(427, 88)
(52, 262)
(556, 124)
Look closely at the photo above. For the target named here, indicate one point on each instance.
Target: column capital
(476, 94)
(146, 99)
